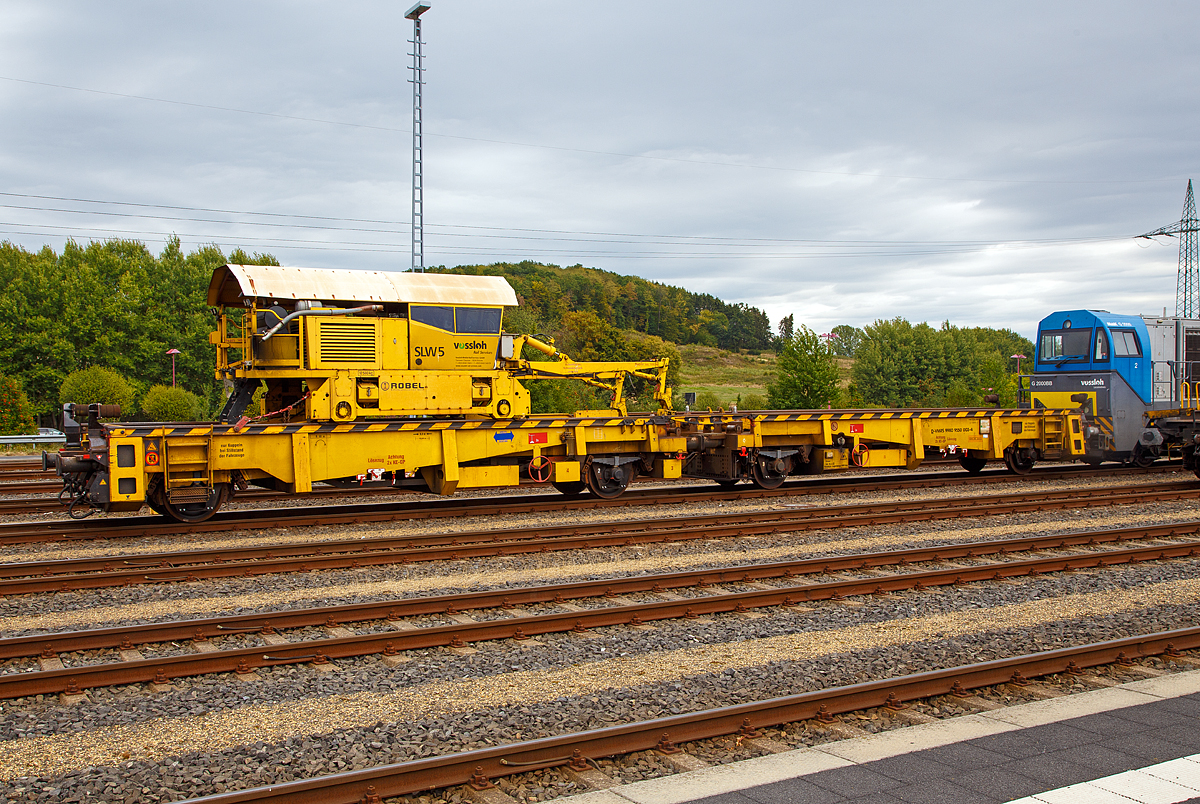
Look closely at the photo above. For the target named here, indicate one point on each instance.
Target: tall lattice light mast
(418, 179)
(1187, 290)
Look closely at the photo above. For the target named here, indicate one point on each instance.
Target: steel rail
(388, 643)
(14, 506)
(263, 518)
(108, 563)
(54, 486)
(395, 608)
(28, 483)
(34, 480)
(131, 569)
(371, 785)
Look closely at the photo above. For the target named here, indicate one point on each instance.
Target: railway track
(192, 565)
(359, 513)
(477, 768)
(32, 479)
(1083, 551)
(50, 505)
(281, 649)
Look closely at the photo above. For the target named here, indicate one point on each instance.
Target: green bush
(707, 400)
(16, 414)
(163, 403)
(753, 402)
(97, 384)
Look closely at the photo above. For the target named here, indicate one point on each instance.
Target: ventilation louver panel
(347, 342)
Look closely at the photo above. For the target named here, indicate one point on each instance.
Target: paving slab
(1043, 748)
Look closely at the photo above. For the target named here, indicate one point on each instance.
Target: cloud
(734, 152)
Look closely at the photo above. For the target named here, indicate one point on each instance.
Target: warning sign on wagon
(539, 438)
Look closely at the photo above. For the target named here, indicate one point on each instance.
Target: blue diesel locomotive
(1136, 378)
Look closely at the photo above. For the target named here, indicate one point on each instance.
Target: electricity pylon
(1187, 290)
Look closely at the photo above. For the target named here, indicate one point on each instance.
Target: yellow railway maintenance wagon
(410, 380)
(188, 471)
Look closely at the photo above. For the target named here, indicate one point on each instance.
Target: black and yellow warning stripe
(422, 425)
(426, 425)
(860, 415)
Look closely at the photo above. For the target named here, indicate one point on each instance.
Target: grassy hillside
(548, 293)
(731, 376)
(727, 375)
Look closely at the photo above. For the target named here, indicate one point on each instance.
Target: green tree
(1005, 343)
(847, 340)
(903, 365)
(807, 374)
(110, 303)
(164, 403)
(787, 328)
(893, 365)
(16, 414)
(97, 384)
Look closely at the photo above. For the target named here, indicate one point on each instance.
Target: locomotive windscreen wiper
(1070, 358)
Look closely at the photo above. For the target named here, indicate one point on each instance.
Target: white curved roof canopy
(231, 285)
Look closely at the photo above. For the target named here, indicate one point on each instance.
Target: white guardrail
(33, 439)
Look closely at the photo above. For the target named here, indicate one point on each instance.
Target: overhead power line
(499, 233)
(594, 152)
(709, 251)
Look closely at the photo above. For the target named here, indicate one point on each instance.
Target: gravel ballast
(215, 733)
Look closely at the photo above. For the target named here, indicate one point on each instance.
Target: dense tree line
(898, 364)
(116, 305)
(113, 304)
(631, 303)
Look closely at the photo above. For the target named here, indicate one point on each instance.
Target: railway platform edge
(790, 776)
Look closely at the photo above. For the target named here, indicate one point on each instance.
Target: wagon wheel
(1018, 461)
(972, 465)
(154, 496)
(1143, 457)
(607, 481)
(201, 510)
(769, 473)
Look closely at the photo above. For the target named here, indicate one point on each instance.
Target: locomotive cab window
(1100, 353)
(477, 320)
(1063, 344)
(1125, 343)
(440, 317)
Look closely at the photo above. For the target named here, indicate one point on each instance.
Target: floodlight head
(416, 11)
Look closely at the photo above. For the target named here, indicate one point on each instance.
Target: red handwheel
(859, 456)
(540, 469)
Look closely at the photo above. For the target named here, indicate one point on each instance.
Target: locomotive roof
(231, 285)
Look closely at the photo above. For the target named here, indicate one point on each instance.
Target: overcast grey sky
(982, 163)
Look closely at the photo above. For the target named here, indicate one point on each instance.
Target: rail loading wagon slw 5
(409, 379)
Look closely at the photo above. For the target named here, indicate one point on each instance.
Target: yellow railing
(1189, 395)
